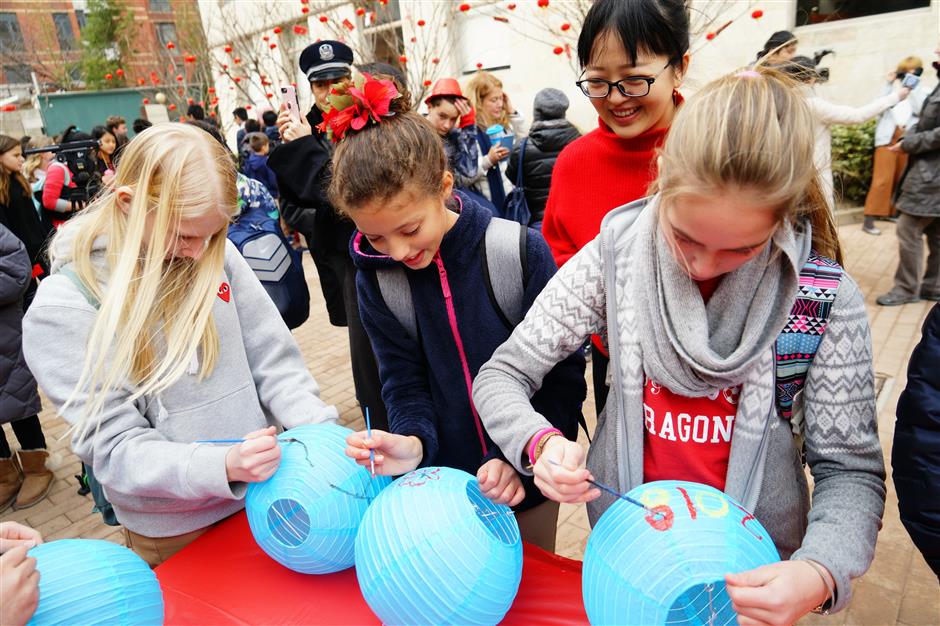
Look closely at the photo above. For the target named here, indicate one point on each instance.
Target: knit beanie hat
(550, 104)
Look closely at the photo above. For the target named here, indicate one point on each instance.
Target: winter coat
(546, 140)
(424, 384)
(919, 190)
(256, 167)
(302, 167)
(916, 452)
(19, 397)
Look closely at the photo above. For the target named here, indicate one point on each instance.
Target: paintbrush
(614, 492)
(371, 450)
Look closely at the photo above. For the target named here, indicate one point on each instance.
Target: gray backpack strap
(504, 260)
(69, 273)
(395, 290)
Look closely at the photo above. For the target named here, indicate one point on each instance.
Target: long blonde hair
(155, 315)
(478, 88)
(33, 161)
(751, 129)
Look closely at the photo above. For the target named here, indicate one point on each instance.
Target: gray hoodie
(161, 483)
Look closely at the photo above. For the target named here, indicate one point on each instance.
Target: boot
(37, 479)
(10, 481)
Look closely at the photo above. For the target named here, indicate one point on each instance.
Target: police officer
(302, 166)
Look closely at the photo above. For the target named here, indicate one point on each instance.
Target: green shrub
(852, 150)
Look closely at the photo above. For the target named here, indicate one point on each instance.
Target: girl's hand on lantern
(559, 475)
(289, 128)
(500, 483)
(255, 459)
(394, 454)
(779, 593)
(14, 534)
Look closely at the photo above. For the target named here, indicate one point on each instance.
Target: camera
(79, 157)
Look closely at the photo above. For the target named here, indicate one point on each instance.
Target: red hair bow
(366, 100)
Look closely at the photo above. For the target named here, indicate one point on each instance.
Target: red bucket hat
(445, 87)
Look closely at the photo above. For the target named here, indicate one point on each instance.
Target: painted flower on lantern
(757, 14)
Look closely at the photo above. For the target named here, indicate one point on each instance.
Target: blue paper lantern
(432, 549)
(669, 568)
(307, 514)
(88, 581)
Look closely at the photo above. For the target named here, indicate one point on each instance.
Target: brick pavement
(898, 589)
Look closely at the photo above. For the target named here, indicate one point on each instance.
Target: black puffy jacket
(916, 454)
(547, 138)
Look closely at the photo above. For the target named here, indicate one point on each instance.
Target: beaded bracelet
(535, 447)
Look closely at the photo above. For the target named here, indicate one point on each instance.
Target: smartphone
(289, 98)
(910, 81)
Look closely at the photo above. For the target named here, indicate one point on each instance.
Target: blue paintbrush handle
(220, 441)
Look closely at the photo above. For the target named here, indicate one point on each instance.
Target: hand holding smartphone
(910, 81)
(289, 99)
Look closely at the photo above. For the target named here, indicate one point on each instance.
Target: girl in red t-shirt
(691, 289)
(634, 56)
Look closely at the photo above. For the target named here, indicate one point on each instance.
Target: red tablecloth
(224, 578)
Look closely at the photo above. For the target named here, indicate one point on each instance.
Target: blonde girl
(163, 336)
(690, 289)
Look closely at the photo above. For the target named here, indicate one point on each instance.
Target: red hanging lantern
(189, 100)
(108, 76)
(247, 107)
(225, 66)
(172, 107)
(360, 11)
(566, 26)
(237, 79)
(558, 50)
(300, 30)
(211, 89)
(141, 81)
(294, 85)
(273, 45)
(414, 39)
(710, 36)
(757, 14)
(305, 10)
(479, 66)
(211, 113)
(542, 4)
(237, 60)
(269, 95)
(146, 101)
(190, 58)
(403, 59)
(324, 19)
(119, 72)
(277, 30)
(170, 45)
(435, 60)
(179, 91)
(464, 7)
(421, 22)
(228, 49)
(427, 83)
(512, 6)
(179, 78)
(349, 25)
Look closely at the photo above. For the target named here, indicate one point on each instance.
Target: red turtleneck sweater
(594, 174)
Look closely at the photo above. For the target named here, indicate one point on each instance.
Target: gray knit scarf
(693, 349)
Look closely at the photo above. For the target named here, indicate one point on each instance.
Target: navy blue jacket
(257, 167)
(423, 382)
(915, 456)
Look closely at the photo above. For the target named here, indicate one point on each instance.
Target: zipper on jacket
(452, 318)
(613, 348)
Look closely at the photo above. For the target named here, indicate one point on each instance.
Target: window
(166, 32)
(11, 38)
(159, 6)
(80, 18)
(18, 73)
(818, 11)
(63, 31)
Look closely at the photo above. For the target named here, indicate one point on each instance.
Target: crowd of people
(679, 244)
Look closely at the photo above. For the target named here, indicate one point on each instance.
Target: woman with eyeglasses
(634, 56)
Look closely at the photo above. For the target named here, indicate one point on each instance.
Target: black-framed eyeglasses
(629, 87)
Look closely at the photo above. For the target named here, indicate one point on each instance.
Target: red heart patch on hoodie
(225, 292)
